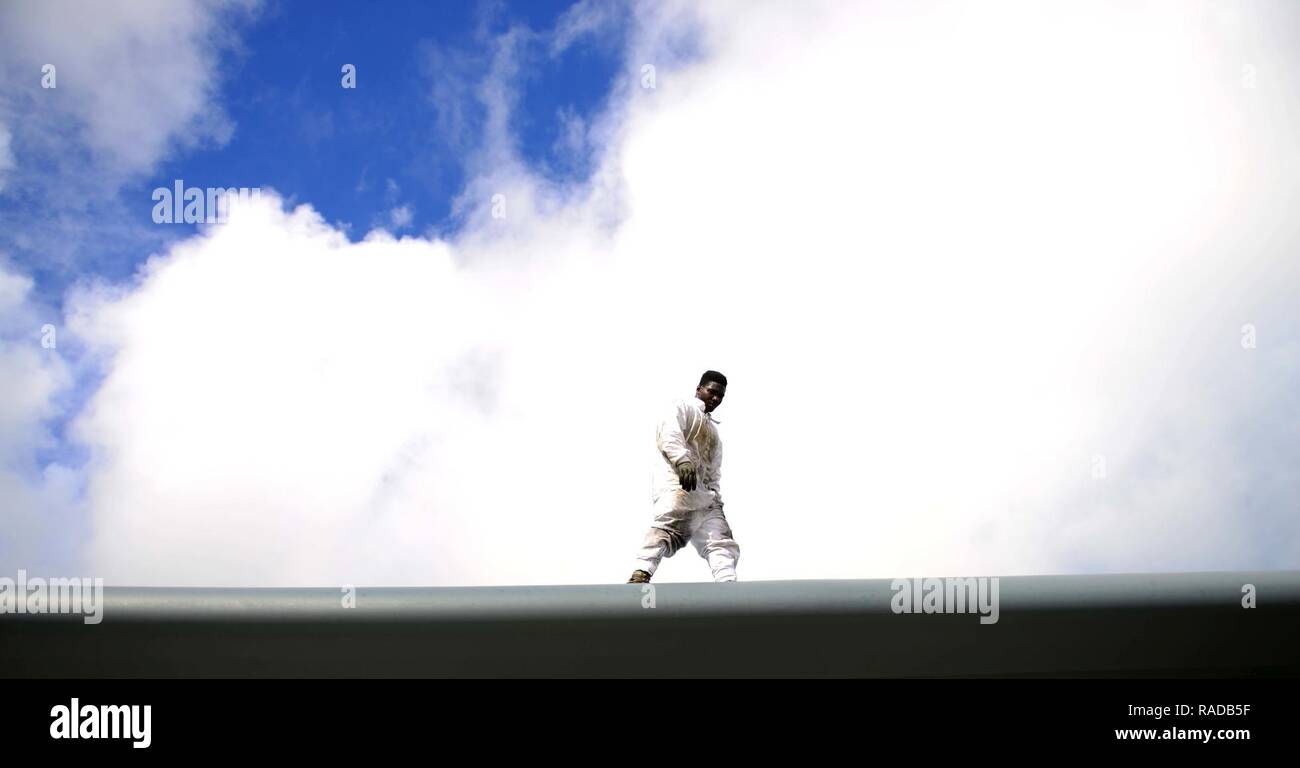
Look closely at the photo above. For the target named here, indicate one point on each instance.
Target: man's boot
(639, 577)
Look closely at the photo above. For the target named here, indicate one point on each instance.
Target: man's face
(712, 394)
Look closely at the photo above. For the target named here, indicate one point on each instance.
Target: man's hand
(686, 473)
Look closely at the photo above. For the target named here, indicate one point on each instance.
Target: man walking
(686, 494)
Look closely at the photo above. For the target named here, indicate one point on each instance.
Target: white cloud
(586, 18)
(137, 79)
(40, 505)
(6, 154)
(401, 216)
(394, 423)
(946, 259)
(572, 139)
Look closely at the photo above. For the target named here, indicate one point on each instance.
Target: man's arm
(671, 439)
(716, 482)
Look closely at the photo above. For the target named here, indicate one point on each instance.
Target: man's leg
(668, 532)
(713, 540)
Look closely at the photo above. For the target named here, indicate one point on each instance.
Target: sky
(1000, 288)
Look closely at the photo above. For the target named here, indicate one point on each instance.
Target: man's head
(712, 388)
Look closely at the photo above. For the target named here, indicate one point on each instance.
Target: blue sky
(999, 290)
(354, 154)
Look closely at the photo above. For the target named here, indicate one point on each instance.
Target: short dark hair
(713, 376)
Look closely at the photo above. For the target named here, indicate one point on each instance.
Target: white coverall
(689, 434)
